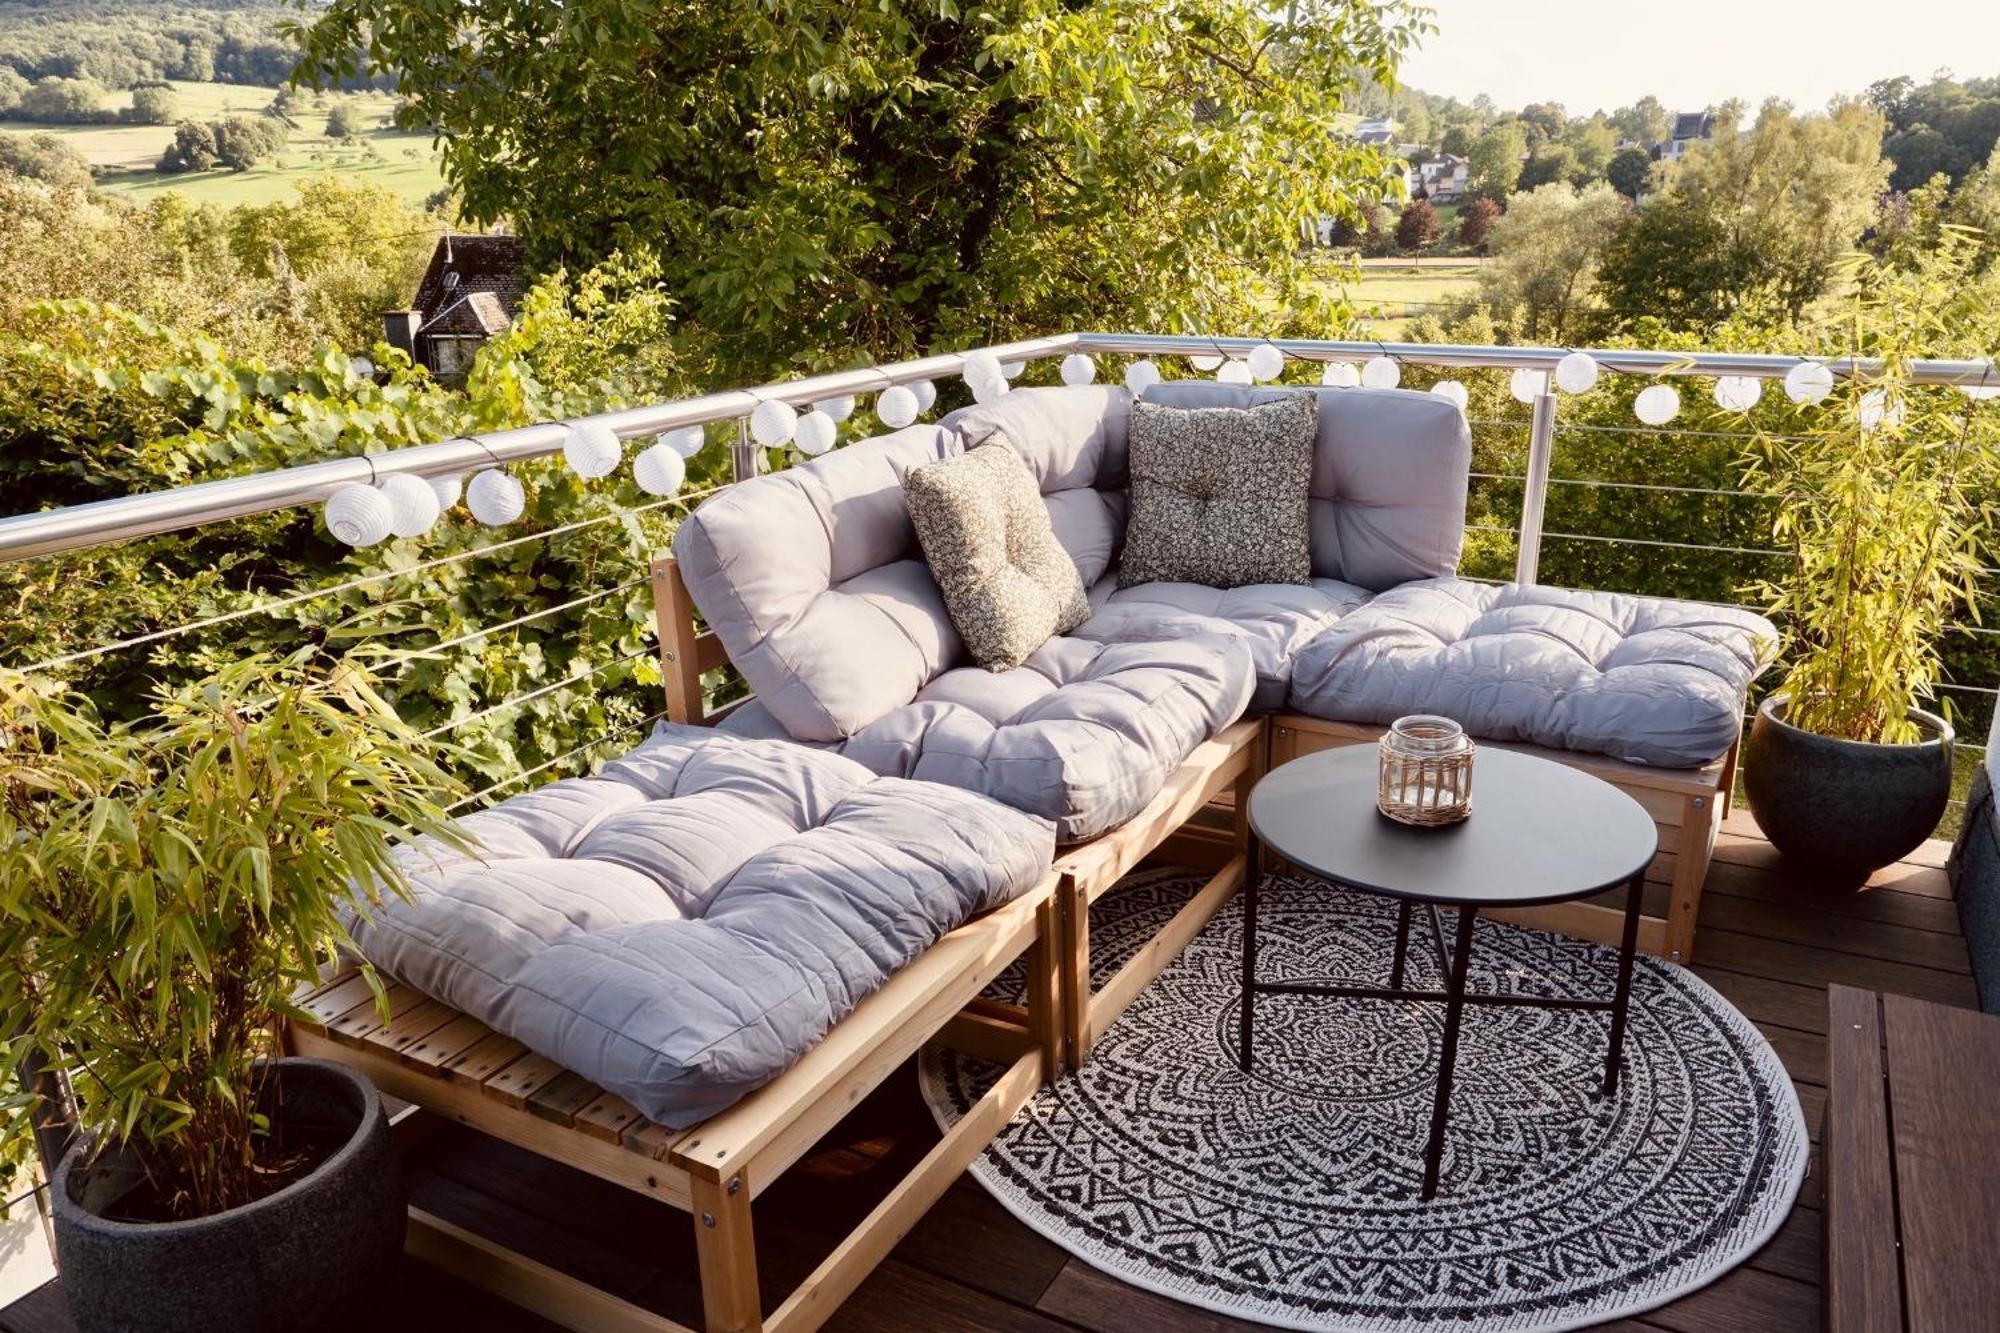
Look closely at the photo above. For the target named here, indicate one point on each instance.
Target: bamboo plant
(166, 885)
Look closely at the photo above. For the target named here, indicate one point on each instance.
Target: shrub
(153, 104)
(55, 101)
(45, 158)
(193, 148)
(1417, 229)
(1475, 224)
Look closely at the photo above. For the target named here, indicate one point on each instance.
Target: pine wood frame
(1688, 805)
(454, 1068)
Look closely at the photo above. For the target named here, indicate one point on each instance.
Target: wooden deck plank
(1836, 932)
(1864, 1286)
(1825, 967)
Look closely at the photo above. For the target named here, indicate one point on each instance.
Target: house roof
(473, 285)
(1691, 125)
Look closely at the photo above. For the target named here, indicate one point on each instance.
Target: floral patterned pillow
(1008, 583)
(1219, 494)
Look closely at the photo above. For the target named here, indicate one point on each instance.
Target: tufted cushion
(812, 579)
(681, 928)
(1219, 494)
(1082, 733)
(1645, 680)
(1007, 581)
(1272, 620)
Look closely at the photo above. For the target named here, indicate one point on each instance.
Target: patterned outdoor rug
(1290, 1196)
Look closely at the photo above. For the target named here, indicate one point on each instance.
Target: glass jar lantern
(1426, 771)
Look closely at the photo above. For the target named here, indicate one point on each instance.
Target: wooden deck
(1769, 942)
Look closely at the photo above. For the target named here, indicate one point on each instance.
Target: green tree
(1544, 122)
(153, 104)
(193, 148)
(1629, 170)
(55, 101)
(1545, 256)
(345, 121)
(1551, 164)
(1976, 204)
(45, 158)
(1920, 153)
(241, 142)
(12, 88)
(844, 180)
(1475, 224)
(1494, 164)
(1748, 222)
(1644, 122)
(1417, 228)
(1594, 143)
(1458, 139)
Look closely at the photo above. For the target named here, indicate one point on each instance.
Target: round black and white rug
(1290, 1195)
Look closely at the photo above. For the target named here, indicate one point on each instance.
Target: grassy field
(124, 155)
(1391, 293)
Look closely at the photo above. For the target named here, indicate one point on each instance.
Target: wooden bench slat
(366, 1017)
(413, 1022)
(606, 1117)
(523, 1079)
(330, 1001)
(560, 1099)
(483, 1059)
(432, 1050)
(649, 1139)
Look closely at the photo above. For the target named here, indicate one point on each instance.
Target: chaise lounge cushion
(1083, 734)
(682, 927)
(1642, 679)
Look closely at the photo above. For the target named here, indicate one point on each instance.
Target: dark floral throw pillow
(1007, 582)
(1219, 494)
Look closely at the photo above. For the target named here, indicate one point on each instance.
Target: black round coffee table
(1540, 832)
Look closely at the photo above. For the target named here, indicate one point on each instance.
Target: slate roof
(473, 285)
(1691, 125)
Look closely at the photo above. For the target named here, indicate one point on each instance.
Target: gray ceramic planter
(321, 1253)
(1845, 808)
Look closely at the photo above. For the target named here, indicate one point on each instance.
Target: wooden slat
(1585, 921)
(1863, 1283)
(413, 1023)
(483, 1059)
(366, 1017)
(559, 1100)
(1116, 995)
(1103, 861)
(336, 997)
(1944, 1110)
(682, 651)
(435, 1049)
(987, 1037)
(607, 1116)
(522, 1079)
(527, 1283)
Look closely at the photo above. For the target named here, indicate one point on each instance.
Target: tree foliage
(1628, 172)
(45, 158)
(1475, 224)
(1417, 228)
(1494, 162)
(1546, 250)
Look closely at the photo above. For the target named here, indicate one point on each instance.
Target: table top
(1539, 832)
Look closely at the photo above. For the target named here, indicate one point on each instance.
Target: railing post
(1535, 494)
(743, 453)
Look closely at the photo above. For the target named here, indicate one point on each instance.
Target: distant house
(469, 293)
(1441, 179)
(1379, 131)
(1690, 128)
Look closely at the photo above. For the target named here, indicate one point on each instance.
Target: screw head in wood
(708, 1219)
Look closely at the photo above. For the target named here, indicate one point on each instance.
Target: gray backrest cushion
(812, 579)
(1389, 477)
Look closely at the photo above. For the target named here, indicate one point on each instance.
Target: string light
(1453, 392)
(359, 514)
(1340, 375)
(1875, 409)
(447, 490)
(413, 505)
(1808, 382)
(660, 469)
(1234, 372)
(1012, 369)
(814, 433)
(592, 449)
(1266, 362)
(896, 406)
(1381, 372)
(984, 377)
(495, 498)
(1738, 393)
(1577, 373)
(1206, 360)
(687, 441)
(838, 409)
(772, 423)
(1141, 376)
(1078, 369)
(1657, 404)
(926, 393)
(1525, 385)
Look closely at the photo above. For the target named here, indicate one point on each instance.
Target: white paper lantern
(1979, 393)
(896, 406)
(1141, 376)
(495, 498)
(1234, 372)
(1526, 385)
(659, 469)
(413, 505)
(1012, 369)
(772, 423)
(592, 449)
(984, 377)
(814, 433)
(1078, 369)
(1657, 404)
(359, 515)
(687, 441)
(447, 490)
(1381, 372)
(1577, 373)
(1738, 393)
(1267, 361)
(1340, 375)
(1206, 360)
(1875, 409)
(361, 368)
(1453, 391)
(926, 393)
(1808, 382)
(840, 409)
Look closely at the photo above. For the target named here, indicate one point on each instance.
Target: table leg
(1253, 874)
(1621, 999)
(1454, 1011)
(1402, 944)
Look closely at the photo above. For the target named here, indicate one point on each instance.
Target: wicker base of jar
(1426, 772)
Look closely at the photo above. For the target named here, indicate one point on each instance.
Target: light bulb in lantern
(1141, 376)
(1875, 409)
(413, 505)
(359, 515)
(659, 469)
(1012, 369)
(687, 441)
(1381, 372)
(1078, 369)
(926, 393)
(814, 433)
(896, 406)
(1340, 375)
(839, 409)
(1808, 382)
(1526, 385)
(1657, 404)
(1266, 361)
(1206, 360)
(1577, 373)
(361, 368)
(592, 449)
(495, 498)
(772, 423)
(1738, 393)
(1234, 372)
(447, 490)
(1452, 391)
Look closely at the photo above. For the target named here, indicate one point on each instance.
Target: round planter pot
(1840, 807)
(322, 1253)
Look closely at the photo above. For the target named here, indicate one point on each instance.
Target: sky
(1601, 54)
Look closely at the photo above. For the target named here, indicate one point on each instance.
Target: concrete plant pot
(1845, 808)
(322, 1253)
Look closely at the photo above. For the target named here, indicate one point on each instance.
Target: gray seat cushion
(682, 927)
(1084, 734)
(1272, 620)
(1641, 679)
